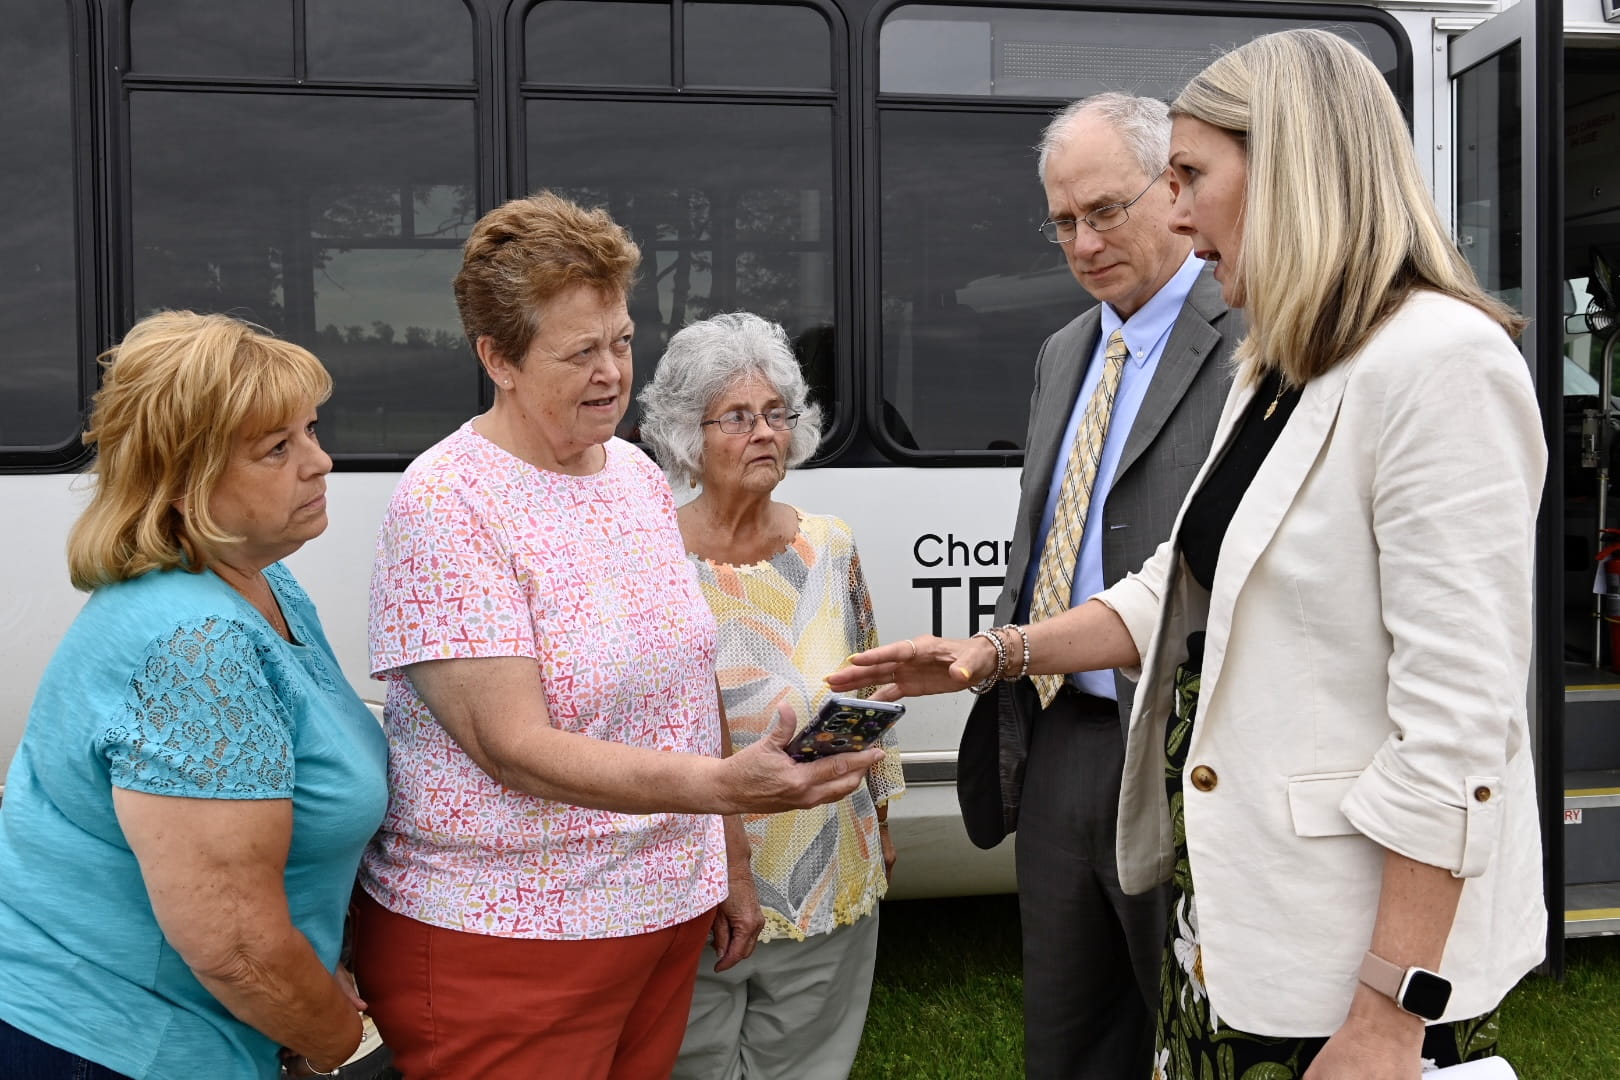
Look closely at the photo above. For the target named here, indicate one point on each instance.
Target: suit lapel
(1192, 340)
(1062, 379)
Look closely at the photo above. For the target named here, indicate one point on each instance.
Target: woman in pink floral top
(552, 859)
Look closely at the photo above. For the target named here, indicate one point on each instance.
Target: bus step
(1582, 680)
(1592, 828)
(1591, 788)
(1592, 729)
(1592, 909)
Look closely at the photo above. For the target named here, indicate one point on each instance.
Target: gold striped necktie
(1054, 580)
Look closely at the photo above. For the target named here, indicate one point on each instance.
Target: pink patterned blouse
(483, 555)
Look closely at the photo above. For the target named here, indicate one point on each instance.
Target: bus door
(1506, 156)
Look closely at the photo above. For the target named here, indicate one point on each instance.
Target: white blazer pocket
(1314, 800)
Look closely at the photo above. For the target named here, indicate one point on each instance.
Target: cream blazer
(1364, 682)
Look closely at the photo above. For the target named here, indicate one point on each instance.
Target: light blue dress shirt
(1145, 335)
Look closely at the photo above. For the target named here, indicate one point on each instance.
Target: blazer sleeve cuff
(1459, 835)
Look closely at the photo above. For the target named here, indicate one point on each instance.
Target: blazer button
(1204, 778)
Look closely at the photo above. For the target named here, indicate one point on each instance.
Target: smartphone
(844, 725)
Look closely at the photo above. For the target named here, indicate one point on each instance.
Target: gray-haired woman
(728, 412)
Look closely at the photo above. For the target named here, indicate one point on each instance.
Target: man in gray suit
(1091, 953)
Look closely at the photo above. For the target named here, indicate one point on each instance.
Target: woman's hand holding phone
(763, 779)
(844, 725)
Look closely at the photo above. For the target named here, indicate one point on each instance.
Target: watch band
(1382, 976)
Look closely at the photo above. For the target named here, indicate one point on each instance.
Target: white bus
(859, 170)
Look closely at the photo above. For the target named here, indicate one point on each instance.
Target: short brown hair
(175, 396)
(527, 252)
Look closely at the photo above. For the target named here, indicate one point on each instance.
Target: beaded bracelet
(983, 685)
(1023, 637)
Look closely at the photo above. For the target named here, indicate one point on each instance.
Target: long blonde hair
(1338, 225)
(175, 397)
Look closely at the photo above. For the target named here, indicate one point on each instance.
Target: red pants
(459, 1006)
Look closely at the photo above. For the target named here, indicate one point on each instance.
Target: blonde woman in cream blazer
(1364, 679)
(1329, 756)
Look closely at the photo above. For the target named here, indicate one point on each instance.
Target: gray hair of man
(701, 363)
(1143, 122)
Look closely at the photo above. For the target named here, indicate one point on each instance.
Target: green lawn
(946, 1001)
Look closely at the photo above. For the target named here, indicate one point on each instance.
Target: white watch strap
(1382, 976)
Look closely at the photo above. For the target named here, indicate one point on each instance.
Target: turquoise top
(172, 684)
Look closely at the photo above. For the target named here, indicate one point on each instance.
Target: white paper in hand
(1484, 1069)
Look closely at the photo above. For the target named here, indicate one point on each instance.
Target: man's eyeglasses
(738, 422)
(1112, 216)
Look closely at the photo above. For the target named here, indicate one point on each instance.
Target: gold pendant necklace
(1281, 384)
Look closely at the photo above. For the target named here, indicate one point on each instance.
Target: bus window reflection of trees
(308, 214)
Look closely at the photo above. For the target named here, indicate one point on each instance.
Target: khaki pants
(792, 1011)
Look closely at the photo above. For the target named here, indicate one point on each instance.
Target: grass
(946, 1001)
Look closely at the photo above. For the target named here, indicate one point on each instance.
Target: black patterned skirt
(1192, 1043)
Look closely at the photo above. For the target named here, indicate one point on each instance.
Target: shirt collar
(1151, 324)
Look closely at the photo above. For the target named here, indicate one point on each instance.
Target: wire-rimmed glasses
(1112, 216)
(738, 422)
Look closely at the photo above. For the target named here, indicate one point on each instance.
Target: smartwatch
(1417, 990)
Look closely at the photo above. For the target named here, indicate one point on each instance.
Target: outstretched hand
(917, 666)
(763, 779)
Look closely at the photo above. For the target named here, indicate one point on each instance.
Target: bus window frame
(89, 319)
(874, 101)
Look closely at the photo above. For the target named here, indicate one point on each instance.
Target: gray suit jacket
(1168, 442)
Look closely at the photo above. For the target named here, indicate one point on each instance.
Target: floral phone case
(843, 726)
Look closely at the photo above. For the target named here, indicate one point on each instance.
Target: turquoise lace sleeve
(200, 720)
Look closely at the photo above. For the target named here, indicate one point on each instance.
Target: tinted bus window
(1020, 52)
(391, 41)
(239, 38)
(970, 289)
(598, 43)
(731, 205)
(334, 221)
(39, 378)
(1489, 176)
(764, 45)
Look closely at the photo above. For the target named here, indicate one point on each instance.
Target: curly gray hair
(704, 360)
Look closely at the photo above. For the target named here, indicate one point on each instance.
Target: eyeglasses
(1112, 216)
(738, 422)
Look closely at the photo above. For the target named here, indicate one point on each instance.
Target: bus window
(969, 289)
(236, 38)
(1068, 54)
(40, 377)
(598, 43)
(334, 221)
(762, 45)
(730, 204)
(730, 198)
(390, 41)
(1488, 174)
